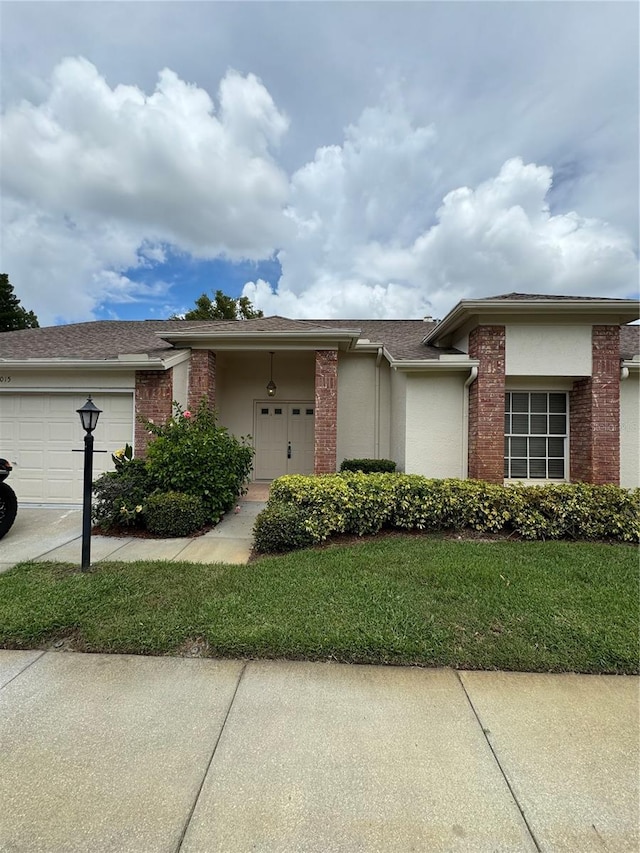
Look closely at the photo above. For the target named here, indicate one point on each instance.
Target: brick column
(202, 378)
(594, 413)
(326, 422)
(486, 404)
(153, 399)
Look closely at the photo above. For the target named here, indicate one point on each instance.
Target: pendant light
(271, 385)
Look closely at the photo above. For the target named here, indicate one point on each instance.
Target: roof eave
(136, 361)
(276, 340)
(619, 312)
(439, 365)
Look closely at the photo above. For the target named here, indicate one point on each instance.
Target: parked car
(8, 499)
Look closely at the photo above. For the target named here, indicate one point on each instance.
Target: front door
(284, 439)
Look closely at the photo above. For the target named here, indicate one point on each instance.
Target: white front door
(284, 439)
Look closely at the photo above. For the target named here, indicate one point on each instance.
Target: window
(535, 435)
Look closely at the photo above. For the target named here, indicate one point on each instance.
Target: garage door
(38, 433)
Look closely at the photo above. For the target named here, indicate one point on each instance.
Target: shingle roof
(103, 339)
(401, 338)
(106, 339)
(265, 324)
(547, 297)
(629, 341)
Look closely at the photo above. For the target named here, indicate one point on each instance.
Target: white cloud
(99, 180)
(163, 163)
(67, 269)
(369, 244)
(92, 169)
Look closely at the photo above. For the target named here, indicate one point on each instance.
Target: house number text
(5, 380)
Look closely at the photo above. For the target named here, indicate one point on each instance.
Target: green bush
(324, 499)
(365, 503)
(120, 496)
(174, 514)
(369, 466)
(192, 454)
(281, 527)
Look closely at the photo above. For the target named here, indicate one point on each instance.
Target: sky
(326, 159)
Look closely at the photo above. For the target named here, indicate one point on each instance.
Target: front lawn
(533, 606)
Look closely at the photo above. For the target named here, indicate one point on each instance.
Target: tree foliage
(222, 307)
(12, 315)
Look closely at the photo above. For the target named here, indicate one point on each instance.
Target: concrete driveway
(56, 534)
(167, 755)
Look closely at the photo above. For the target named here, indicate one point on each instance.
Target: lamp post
(89, 415)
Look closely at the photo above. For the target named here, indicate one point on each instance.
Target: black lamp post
(89, 415)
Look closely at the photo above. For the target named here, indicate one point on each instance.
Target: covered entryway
(284, 439)
(39, 432)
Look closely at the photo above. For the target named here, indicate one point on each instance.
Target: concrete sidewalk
(147, 755)
(56, 534)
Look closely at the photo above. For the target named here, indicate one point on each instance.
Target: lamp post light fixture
(271, 385)
(89, 415)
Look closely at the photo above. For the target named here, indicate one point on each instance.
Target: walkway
(56, 534)
(168, 755)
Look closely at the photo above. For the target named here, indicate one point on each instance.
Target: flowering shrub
(120, 495)
(192, 454)
(121, 457)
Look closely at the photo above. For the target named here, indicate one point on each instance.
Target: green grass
(535, 606)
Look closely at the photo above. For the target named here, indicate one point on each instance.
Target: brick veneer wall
(202, 378)
(153, 399)
(326, 404)
(486, 404)
(594, 413)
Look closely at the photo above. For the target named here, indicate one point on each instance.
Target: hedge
(359, 503)
(369, 466)
(174, 514)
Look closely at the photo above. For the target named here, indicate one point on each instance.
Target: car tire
(8, 508)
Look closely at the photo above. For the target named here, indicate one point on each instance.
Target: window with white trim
(535, 435)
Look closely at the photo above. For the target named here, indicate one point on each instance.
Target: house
(515, 387)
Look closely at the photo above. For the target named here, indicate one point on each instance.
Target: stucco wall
(241, 379)
(356, 406)
(397, 442)
(65, 380)
(548, 350)
(434, 425)
(180, 378)
(630, 431)
(385, 410)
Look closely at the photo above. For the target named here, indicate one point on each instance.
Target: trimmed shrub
(365, 503)
(174, 514)
(324, 499)
(369, 466)
(120, 496)
(281, 527)
(192, 454)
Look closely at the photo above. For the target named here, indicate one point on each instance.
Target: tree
(12, 315)
(222, 308)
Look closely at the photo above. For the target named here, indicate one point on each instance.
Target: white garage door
(39, 432)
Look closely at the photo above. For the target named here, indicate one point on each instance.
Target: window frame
(537, 436)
